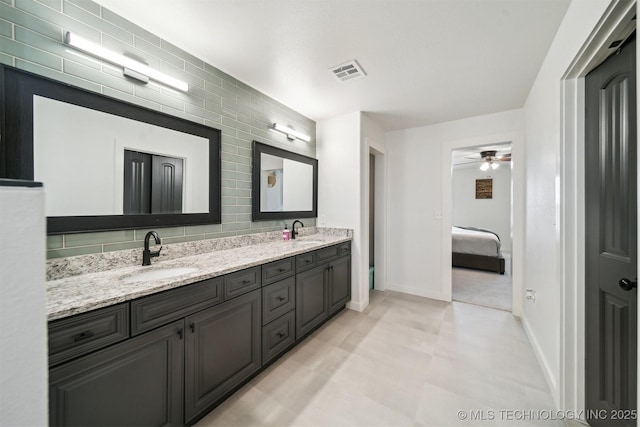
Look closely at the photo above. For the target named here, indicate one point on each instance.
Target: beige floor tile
(405, 360)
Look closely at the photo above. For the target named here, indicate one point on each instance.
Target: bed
(476, 248)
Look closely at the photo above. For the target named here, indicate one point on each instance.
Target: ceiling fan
(490, 159)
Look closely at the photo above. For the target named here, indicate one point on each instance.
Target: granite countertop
(81, 293)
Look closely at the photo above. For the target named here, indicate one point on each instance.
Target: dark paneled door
(152, 183)
(611, 243)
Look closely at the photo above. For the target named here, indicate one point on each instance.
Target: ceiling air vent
(348, 71)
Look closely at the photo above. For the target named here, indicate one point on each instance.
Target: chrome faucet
(294, 233)
(146, 253)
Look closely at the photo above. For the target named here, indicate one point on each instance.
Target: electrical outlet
(530, 294)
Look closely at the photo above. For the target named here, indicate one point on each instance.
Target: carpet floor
(482, 288)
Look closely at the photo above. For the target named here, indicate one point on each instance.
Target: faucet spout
(294, 233)
(148, 254)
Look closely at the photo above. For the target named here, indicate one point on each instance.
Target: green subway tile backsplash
(87, 5)
(6, 28)
(31, 33)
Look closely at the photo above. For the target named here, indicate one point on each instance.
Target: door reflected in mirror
(285, 184)
(81, 156)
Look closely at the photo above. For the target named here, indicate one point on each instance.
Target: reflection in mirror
(80, 155)
(106, 164)
(284, 184)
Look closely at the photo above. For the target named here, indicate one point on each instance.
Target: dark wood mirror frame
(17, 89)
(256, 213)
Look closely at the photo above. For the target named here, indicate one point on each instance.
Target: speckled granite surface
(108, 281)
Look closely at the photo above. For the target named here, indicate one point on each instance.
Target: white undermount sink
(159, 273)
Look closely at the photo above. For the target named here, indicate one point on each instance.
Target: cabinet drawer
(78, 335)
(278, 299)
(278, 336)
(241, 282)
(305, 261)
(344, 249)
(278, 270)
(156, 310)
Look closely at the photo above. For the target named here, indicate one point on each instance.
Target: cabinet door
(340, 283)
(311, 299)
(136, 382)
(222, 349)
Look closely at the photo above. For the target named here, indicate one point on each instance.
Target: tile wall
(31, 38)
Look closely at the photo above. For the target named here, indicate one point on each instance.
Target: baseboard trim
(418, 292)
(357, 306)
(542, 360)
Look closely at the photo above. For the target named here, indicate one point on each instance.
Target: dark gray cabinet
(168, 358)
(222, 349)
(312, 288)
(323, 290)
(339, 283)
(136, 382)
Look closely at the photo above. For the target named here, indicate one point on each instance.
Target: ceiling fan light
(484, 166)
(494, 165)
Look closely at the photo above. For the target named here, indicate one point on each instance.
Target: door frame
(517, 210)
(572, 209)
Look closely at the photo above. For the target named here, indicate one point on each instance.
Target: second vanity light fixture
(291, 133)
(132, 68)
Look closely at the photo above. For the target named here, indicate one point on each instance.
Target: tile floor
(404, 361)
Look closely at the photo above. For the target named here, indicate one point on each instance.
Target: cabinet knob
(180, 333)
(192, 325)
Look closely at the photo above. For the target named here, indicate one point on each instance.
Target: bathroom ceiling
(427, 61)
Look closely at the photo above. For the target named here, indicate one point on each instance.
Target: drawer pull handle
(307, 261)
(192, 325)
(281, 298)
(83, 336)
(282, 270)
(281, 334)
(180, 333)
(245, 282)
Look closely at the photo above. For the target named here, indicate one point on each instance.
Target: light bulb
(484, 166)
(494, 165)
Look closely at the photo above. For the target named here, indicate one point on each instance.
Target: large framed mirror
(285, 184)
(106, 164)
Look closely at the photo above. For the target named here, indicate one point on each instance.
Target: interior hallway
(405, 360)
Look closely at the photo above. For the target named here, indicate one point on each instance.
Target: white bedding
(474, 242)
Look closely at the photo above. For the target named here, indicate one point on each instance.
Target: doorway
(481, 232)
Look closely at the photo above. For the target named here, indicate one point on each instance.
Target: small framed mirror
(285, 184)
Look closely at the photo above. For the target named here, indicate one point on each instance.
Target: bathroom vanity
(133, 349)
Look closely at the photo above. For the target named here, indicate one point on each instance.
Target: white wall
(343, 147)
(338, 151)
(543, 204)
(415, 197)
(23, 322)
(492, 214)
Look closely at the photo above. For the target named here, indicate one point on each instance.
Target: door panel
(611, 242)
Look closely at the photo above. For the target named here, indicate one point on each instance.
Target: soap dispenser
(286, 234)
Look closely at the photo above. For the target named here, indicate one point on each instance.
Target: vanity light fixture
(291, 133)
(132, 68)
